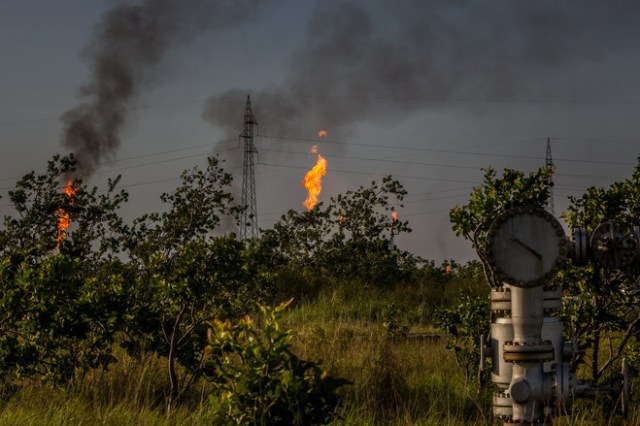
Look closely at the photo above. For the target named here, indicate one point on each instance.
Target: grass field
(395, 381)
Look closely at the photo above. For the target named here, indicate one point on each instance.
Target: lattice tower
(551, 168)
(249, 217)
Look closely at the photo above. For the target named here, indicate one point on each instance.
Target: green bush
(56, 321)
(258, 380)
(466, 321)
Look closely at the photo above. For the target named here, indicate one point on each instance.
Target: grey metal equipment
(614, 245)
(526, 247)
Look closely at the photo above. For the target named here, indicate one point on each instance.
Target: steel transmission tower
(249, 218)
(550, 168)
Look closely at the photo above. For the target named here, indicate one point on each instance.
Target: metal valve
(615, 245)
(530, 363)
(612, 245)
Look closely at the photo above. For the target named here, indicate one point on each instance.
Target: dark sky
(428, 91)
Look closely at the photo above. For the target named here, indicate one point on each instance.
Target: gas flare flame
(394, 215)
(64, 218)
(322, 133)
(313, 180)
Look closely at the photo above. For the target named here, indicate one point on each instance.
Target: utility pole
(550, 168)
(249, 218)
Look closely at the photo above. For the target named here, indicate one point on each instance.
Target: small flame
(70, 190)
(322, 133)
(448, 268)
(313, 180)
(64, 218)
(395, 216)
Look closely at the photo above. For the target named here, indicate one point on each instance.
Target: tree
(202, 280)
(196, 208)
(59, 297)
(96, 228)
(495, 196)
(56, 321)
(297, 239)
(365, 215)
(366, 222)
(186, 274)
(350, 238)
(604, 300)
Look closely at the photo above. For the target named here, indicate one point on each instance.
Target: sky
(428, 91)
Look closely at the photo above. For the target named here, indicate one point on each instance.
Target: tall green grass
(396, 381)
(130, 392)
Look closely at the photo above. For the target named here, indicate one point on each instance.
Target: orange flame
(313, 180)
(322, 133)
(448, 268)
(64, 218)
(70, 190)
(395, 216)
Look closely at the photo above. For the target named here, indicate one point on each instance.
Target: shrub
(258, 380)
(466, 322)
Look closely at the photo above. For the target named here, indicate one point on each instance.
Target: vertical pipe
(527, 382)
(527, 314)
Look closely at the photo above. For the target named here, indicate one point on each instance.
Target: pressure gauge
(525, 246)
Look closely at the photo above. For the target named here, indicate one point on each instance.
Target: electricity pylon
(551, 169)
(249, 217)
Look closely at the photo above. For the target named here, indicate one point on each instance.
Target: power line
(333, 170)
(634, 142)
(349, 157)
(449, 151)
(370, 174)
(435, 199)
(577, 175)
(418, 98)
(151, 182)
(153, 154)
(428, 164)
(169, 160)
(358, 158)
(427, 213)
(438, 192)
(171, 151)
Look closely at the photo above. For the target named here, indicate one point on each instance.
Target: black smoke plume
(351, 68)
(126, 52)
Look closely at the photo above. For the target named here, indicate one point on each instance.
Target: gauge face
(525, 246)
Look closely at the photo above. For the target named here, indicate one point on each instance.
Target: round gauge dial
(525, 246)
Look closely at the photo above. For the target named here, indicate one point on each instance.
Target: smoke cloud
(351, 68)
(125, 54)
